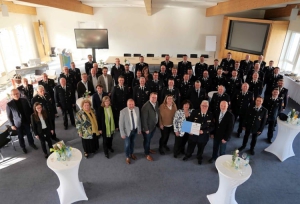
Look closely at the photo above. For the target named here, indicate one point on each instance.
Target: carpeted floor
(166, 180)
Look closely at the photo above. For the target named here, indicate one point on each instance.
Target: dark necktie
(132, 120)
(100, 96)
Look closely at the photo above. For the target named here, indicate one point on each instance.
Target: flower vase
(57, 156)
(63, 156)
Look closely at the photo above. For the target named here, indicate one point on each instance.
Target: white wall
(173, 31)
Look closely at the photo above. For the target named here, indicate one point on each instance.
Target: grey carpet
(166, 180)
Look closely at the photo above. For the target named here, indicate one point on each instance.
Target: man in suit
(217, 98)
(64, 96)
(128, 77)
(163, 75)
(171, 90)
(200, 67)
(184, 65)
(149, 120)
(89, 64)
(85, 86)
(117, 70)
(206, 82)
(261, 62)
(205, 118)
(240, 103)
(93, 78)
(130, 126)
(98, 96)
(274, 106)
(67, 75)
(140, 66)
(106, 81)
(254, 123)
(233, 84)
(97, 69)
(212, 69)
(246, 64)
(255, 85)
(26, 90)
(46, 101)
(224, 122)
(218, 80)
(76, 73)
(185, 85)
(227, 64)
(141, 93)
(176, 77)
(155, 85)
(272, 81)
(168, 64)
(283, 93)
(18, 113)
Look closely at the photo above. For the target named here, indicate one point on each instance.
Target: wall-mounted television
(91, 38)
(247, 37)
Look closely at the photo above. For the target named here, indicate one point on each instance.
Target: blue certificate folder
(186, 126)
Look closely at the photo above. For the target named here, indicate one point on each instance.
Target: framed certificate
(190, 127)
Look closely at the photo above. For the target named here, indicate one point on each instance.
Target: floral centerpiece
(126, 61)
(62, 151)
(293, 117)
(238, 162)
(235, 155)
(86, 94)
(101, 63)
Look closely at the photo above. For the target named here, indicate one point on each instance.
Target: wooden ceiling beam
(15, 8)
(70, 5)
(234, 6)
(148, 5)
(281, 12)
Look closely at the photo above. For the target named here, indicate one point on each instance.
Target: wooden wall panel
(43, 50)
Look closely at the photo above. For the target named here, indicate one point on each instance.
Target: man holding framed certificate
(205, 119)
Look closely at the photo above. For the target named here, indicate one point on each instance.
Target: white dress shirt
(134, 118)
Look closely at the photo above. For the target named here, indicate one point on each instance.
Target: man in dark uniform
(176, 77)
(283, 93)
(254, 123)
(192, 78)
(171, 90)
(117, 70)
(163, 75)
(141, 93)
(48, 85)
(76, 73)
(212, 69)
(274, 106)
(184, 65)
(206, 82)
(237, 68)
(155, 85)
(246, 64)
(196, 94)
(272, 81)
(89, 64)
(255, 85)
(268, 70)
(200, 67)
(240, 103)
(65, 100)
(67, 75)
(119, 96)
(136, 80)
(233, 84)
(218, 80)
(227, 64)
(261, 62)
(128, 79)
(217, 98)
(46, 101)
(185, 85)
(168, 64)
(258, 70)
(140, 65)
(205, 118)
(26, 90)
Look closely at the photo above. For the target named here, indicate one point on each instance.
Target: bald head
(130, 104)
(224, 106)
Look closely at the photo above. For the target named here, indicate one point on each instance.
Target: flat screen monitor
(247, 37)
(91, 38)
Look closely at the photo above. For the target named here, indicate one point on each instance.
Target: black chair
(150, 55)
(4, 141)
(204, 55)
(137, 55)
(193, 56)
(163, 55)
(180, 55)
(127, 55)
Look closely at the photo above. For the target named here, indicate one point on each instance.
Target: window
(22, 43)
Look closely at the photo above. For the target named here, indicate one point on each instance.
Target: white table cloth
(293, 87)
(229, 180)
(78, 101)
(70, 189)
(282, 146)
(210, 94)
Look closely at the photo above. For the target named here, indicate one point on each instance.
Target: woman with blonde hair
(166, 115)
(106, 117)
(87, 127)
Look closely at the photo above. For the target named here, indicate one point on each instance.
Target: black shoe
(73, 125)
(46, 155)
(24, 150)
(182, 152)
(185, 158)
(239, 135)
(167, 148)
(270, 141)
(211, 160)
(161, 152)
(111, 150)
(56, 139)
(252, 152)
(33, 146)
(175, 155)
(241, 148)
(199, 162)
(66, 127)
(107, 156)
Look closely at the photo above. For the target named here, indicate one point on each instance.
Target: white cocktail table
(210, 94)
(282, 146)
(70, 189)
(229, 180)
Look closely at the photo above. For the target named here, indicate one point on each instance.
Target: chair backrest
(163, 55)
(193, 56)
(150, 55)
(3, 138)
(204, 55)
(180, 55)
(127, 55)
(137, 55)
(38, 72)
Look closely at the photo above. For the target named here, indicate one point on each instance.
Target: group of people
(138, 102)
